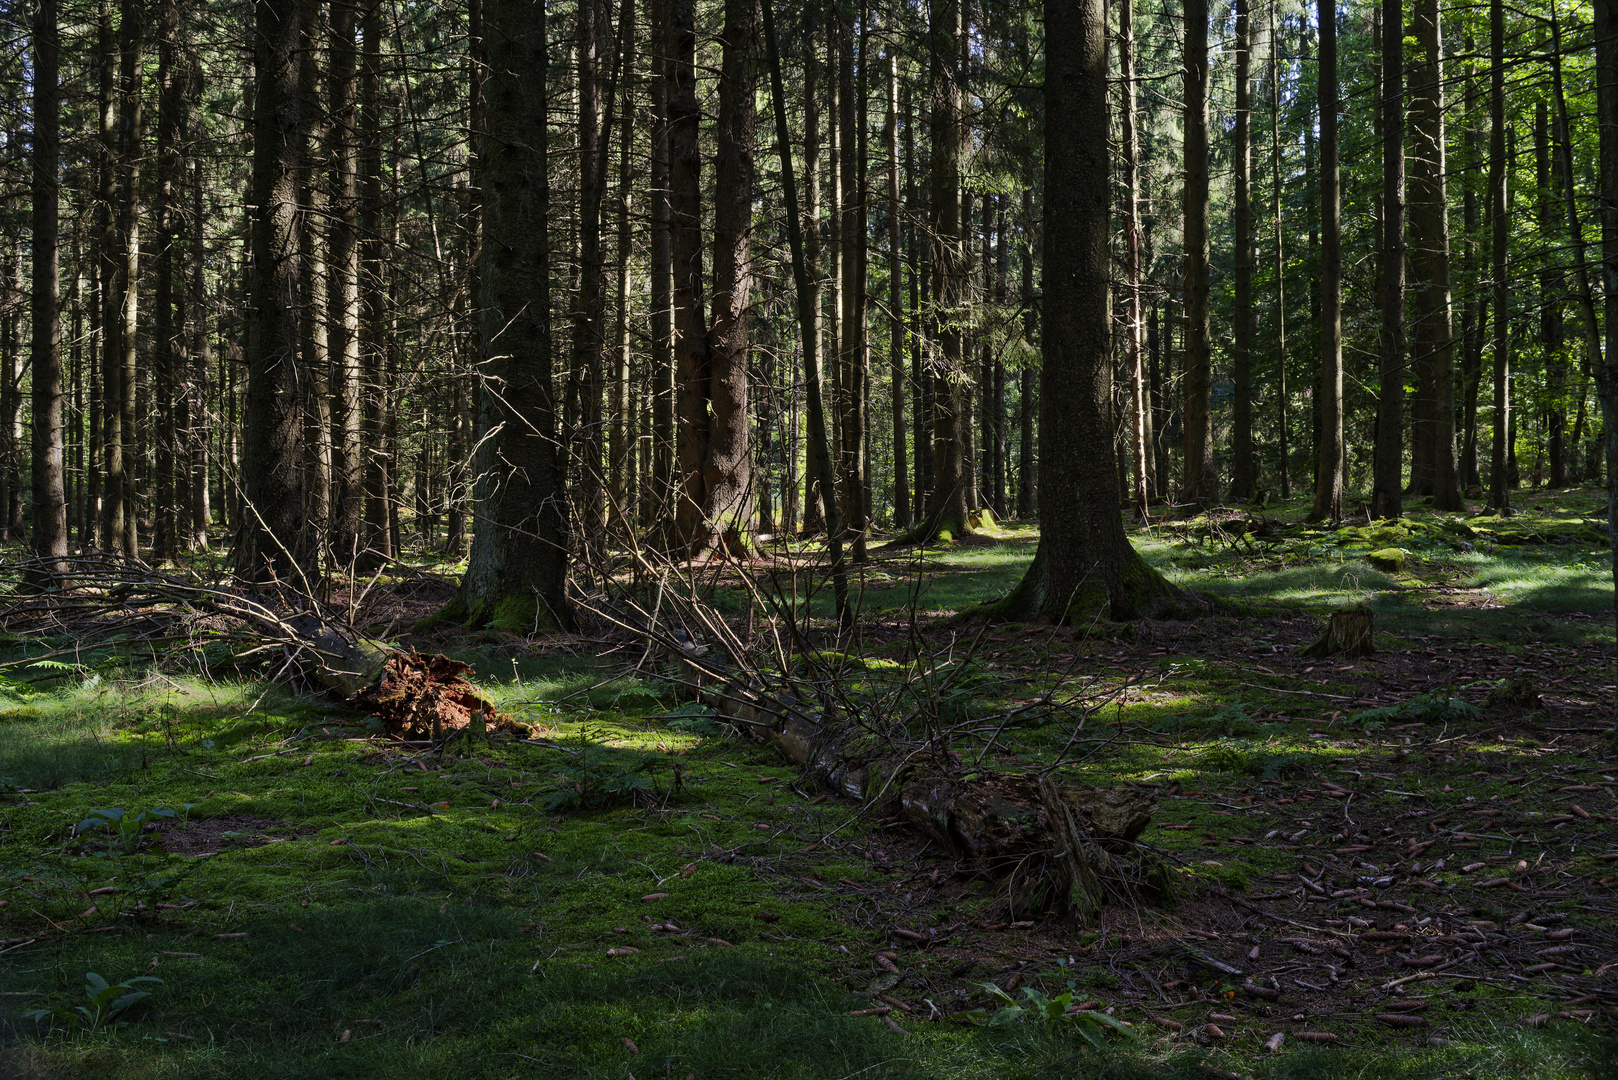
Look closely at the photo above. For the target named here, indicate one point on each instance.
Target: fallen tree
(1056, 848)
(106, 601)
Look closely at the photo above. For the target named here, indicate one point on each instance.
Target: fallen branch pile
(102, 601)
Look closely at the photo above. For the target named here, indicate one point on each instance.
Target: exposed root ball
(424, 695)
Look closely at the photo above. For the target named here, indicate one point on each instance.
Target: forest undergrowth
(1403, 864)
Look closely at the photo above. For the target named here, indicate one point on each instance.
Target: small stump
(1347, 634)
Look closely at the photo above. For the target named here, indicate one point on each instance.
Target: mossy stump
(1349, 633)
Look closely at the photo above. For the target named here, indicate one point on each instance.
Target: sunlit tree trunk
(1328, 502)
(49, 539)
(1244, 463)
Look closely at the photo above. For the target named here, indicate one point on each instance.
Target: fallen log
(1057, 849)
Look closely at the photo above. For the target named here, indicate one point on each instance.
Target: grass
(508, 912)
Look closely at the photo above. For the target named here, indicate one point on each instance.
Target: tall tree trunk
(1139, 416)
(1475, 312)
(685, 232)
(1551, 286)
(1499, 482)
(270, 549)
(1329, 451)
(622, 430)
(812, 520)
(376, 544)
(169, 336)
(896, 309)
(343, 292)
(1244, 463)
(1433, 470)
(516, 572)
(198, 429)
(588, 339)
(1282, 401)
(852, 228)
(1084, 566)
(110, 526)
(806, 297)
(1388, 470)
(45, 358)
(1200, 482)
(1027, 481)
(948, 510)
(727, 463)
(664, 456)
(313, 328)
(1606, 371)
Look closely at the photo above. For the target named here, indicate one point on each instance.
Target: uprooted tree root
(425, 695)
(102, 599)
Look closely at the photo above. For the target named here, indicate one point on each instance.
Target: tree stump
(1347, 634)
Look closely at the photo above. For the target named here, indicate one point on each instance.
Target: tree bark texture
(270, 548)
(1388, 468)
(1084, 566)
(1200, 482)
(1328, 504)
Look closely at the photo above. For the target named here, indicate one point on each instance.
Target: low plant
(106, 1002)
(128, 826)
(1056, 1012)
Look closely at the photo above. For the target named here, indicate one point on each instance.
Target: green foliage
(693, 718)
(127, 826)
(599, 776)
(1434, 707)
(106, 1002)
(1055, 1012)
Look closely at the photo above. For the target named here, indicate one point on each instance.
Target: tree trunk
(947, 513)
(516, 573)
(45, 358)
(1388, 470)
(664, 457)
(270, 548)
(806, 297)
(1084, 566)
(1499, 485)
(1551, 287)
(376, 543)
(1433, 470)
(896, 309)
(1281, 400)
(1201, 481)
(1606, 371)
(727, 479)
(343, 293)
(1027, 478)
(1329, 448)
(852, 233)
(1244, 463)
(685, 233)
(314, 333)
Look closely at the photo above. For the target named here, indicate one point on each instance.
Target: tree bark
(1328, 502)
(1200, 480)
(1282, 401)
(1606, 372)
(1244, 463)
(896, 309)
(1388, 470)
(727, 477)
(516, 573)
(1084, 565)
(270, 548)
(852, 232)
(1433, 470)
(1499, 481)
(49, 539)
(343, 292)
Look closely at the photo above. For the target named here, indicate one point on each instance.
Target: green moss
(1388, 558)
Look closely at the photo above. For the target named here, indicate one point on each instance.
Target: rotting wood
(1349, 633)
(1055, 848)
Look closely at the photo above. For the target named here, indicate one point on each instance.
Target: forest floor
(1403, 864)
